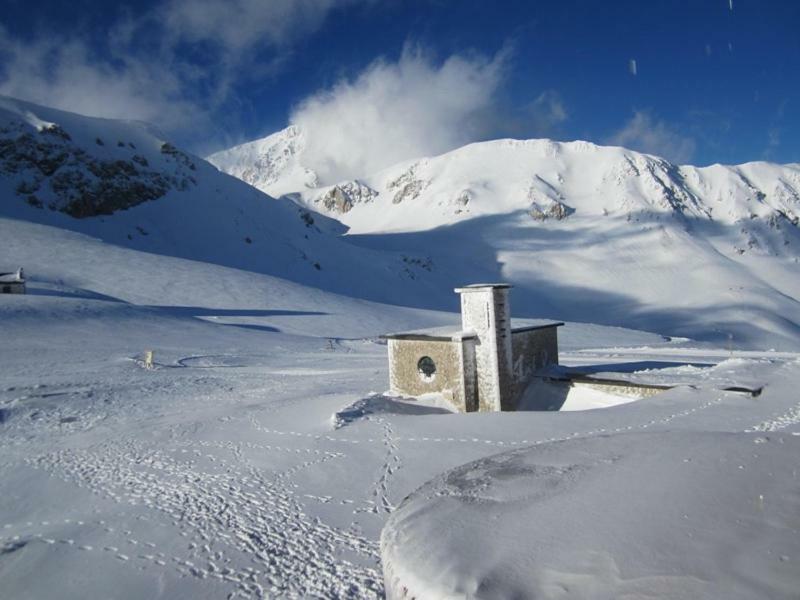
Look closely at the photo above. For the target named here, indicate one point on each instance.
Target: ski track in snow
(779, 421)
(391, 440)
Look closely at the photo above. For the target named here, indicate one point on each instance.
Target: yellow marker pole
(148, 359)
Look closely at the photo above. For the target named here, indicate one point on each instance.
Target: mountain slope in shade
(593, 233)
(122, 183)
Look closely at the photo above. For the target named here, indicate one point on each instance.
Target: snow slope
(579, 229)
(553, 180)
(120, 182)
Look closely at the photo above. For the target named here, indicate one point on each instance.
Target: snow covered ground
(260, 456)
(224, 469)
(655, 514)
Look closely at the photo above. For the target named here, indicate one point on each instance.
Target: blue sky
(714, 80)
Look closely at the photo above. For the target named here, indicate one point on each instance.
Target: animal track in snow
(778, 422)
(230, 508)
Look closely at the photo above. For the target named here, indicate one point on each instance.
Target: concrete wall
(532, 350)
(456, 385)
(485, 310)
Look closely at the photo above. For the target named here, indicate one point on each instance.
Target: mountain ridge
(593, 232)
(540, 171)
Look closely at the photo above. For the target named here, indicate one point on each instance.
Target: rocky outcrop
(53, 172)
(407, 187)
(547, 204)
(342, 197)
(552, 210)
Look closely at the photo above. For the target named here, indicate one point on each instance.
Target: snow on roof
(439, 334)
(454, 332)
(477, 287)
(15, 277)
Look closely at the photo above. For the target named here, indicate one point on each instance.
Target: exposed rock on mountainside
(341, 198)
(52, 171)
(407, 186)
(547, 205)
(550, 210)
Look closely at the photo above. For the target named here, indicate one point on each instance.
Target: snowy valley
(262, 455)
(630, 239)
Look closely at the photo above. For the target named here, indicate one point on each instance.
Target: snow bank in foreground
(677, 515)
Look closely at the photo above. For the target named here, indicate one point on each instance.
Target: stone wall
(456, 386)
(13, 287)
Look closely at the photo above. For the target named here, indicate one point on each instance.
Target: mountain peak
(272, 164)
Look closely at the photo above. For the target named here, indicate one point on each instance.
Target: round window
(426, 367)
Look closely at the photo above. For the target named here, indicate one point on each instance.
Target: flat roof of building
(451, 333)
(477, 287)
(10, 278)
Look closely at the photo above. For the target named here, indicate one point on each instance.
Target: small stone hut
(484, 366)
(12, 283)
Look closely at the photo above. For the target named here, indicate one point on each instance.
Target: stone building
(484, 366)
(12, 283)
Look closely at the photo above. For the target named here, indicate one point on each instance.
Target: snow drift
(668, 515)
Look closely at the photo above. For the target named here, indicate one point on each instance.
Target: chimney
(485, 310)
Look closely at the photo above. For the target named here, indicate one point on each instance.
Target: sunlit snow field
(260, 457)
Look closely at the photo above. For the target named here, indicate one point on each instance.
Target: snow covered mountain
(121, 182)
(272, 164)
(549, 179)
(554, 180)
(583, 231)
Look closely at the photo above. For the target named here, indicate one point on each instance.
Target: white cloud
(645, 134)
(237, 24)
(140, 71)
(62, 73)
(547, 112)
(395, 111)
